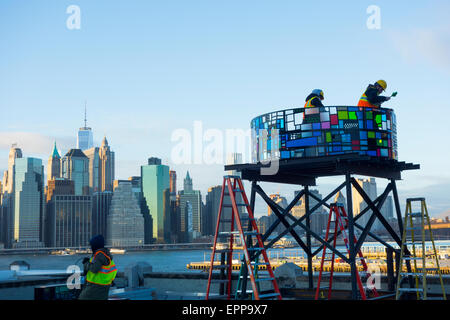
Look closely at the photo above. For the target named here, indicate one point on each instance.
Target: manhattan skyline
(144, 77)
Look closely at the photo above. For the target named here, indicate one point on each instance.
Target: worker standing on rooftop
(100, 271)
(371, 97)
(314, 99)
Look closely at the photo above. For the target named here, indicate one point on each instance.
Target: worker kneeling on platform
(314, 99)
(99, 270)
(371, 97)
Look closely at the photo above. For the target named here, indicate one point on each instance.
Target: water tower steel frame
(304, 172)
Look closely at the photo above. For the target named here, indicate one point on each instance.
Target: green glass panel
(342, 115)
(371, 134)
(369, 115)
(328, 136)
(352, 115)
(378, 118)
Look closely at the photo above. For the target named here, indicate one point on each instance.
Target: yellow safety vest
(308, 103)
(106, 275)
(364, 102)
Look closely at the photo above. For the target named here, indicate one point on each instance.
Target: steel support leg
(351, 236)
(308, 239)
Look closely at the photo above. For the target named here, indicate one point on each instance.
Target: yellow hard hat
(319, 92)
(382, 84)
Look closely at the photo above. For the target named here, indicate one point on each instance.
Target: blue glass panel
(302, 142)
(363, 135)
(369, 124)
(285, 154)
(316, 126)
(372, 153)
(361, 124)
(307, 134)
(317, 133)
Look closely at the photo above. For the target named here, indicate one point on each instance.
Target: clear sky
(147, 68)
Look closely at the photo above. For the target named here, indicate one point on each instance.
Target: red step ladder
(341, 221)
(232, 187)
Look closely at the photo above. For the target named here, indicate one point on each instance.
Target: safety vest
(106, 275)
(308, 103)
(364, 102)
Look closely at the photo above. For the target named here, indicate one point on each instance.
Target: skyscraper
(125, 223)
(7, 218)
(8, 178)
(54, 165)
(101, 204)
(75, 166)
(59, 186)
(281, 201)
(85, 138)
(155, 179)
(175, 220)
(28, 222)
(173, 184)
(101, 167)
(370, 188)
(69, 221)
(387, 211)
(107, 164)
(339, 198)
(194, 197)
(188, 186)
(211, 210)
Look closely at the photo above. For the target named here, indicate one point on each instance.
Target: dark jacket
(373, 97)
(92, 291)
(315, 102)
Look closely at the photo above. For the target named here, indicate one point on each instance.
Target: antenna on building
(85, 112)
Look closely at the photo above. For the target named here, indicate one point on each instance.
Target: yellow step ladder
(422, 223)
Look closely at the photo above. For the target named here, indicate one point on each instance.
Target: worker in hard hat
(314, 99)
(371, 97)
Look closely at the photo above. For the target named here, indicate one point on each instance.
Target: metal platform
(305, 171)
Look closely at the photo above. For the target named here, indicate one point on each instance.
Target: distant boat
(117, 251)
(284, 243)
(65, 252)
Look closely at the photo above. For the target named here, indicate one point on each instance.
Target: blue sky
(147, 68)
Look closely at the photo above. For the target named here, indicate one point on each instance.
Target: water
(161, 261)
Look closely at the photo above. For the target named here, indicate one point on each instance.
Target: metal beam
(378, 213)
(351, 235)
(369, 224)
(308, 238)
(285, 212)
(281, 218)
(298, 221)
